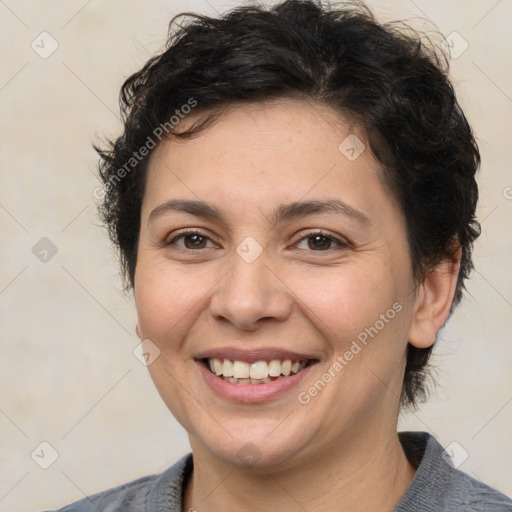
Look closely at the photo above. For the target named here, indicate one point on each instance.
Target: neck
(369, 473)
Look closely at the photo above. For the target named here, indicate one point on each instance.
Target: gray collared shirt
(437, 487)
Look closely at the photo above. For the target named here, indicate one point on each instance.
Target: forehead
(277, 151)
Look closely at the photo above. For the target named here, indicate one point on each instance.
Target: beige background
(67, 372)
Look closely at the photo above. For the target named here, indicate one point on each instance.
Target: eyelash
(339, 243)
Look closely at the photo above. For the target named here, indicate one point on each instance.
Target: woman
(293, 198)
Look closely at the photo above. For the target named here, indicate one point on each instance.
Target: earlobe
(434, 300)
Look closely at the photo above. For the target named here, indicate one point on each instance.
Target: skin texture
(340, 450)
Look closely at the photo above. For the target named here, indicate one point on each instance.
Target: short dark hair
(384, 77)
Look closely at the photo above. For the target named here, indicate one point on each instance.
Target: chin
(258, 448)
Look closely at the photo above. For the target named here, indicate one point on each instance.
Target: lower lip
(251, 393)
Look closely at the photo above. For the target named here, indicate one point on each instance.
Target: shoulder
(472, 494)
(145, 493)
(439, 486)
(130, 496)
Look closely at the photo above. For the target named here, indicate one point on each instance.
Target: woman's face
(269, 247)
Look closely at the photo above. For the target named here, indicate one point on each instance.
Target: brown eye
(191, 241)
(194, 241)
(319, 242)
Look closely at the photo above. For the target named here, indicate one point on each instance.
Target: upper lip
(252, 356)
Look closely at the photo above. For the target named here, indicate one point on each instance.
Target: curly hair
(385, 77)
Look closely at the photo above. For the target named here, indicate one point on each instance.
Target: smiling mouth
(259, 372)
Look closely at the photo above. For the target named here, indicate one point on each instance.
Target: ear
(137, 331)
(434, 300)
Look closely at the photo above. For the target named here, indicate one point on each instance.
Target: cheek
(345, 301)
(362, 314)
(166, 297)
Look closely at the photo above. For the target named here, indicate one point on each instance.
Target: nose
(249, 294)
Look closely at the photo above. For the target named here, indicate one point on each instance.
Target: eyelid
(191, 231)
(339, 241)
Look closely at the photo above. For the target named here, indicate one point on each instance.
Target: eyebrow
(282, 213)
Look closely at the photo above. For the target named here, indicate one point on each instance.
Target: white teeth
(259, 370)
(216, 366)
(241, 372)
(266, 380)
(227, 368)
(286, 367)
(274, 368)
(232, 380)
